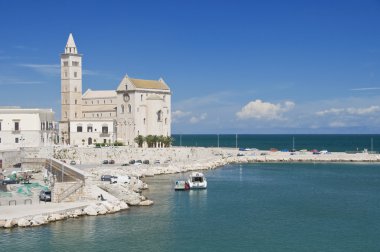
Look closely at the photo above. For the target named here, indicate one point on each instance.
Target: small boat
(181, 185)
(197, 181)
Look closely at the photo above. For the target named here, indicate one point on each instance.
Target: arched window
(144, 121)
(75, 89)
(129, 108)
(122, 109)
(166, 120)
(159, 116)
(76, 102)
(141, 97)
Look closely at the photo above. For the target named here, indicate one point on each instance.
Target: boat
(181, 185)
(197, 181)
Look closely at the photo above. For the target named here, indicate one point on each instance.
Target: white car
(120, 179)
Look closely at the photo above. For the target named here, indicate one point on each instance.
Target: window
(75, 90)
(105, 129)
(166, 121)
(16, 140)
(163, 97)
(84, 115)
(76, 102)
(141, 97)
(0, 126)
(0, 139)
(75, 74)
(104, 101)
(75, 114)
(65, 74)
(65, 63)
(17, 126)
(159, 116)
(89, 128)
(75, 63)
(122, 109)
(79, 129)
(129, 108)
(144, 121)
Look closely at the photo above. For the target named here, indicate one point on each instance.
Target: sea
(330, 142)
(246, 207)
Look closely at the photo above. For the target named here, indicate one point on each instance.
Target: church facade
(136, 107)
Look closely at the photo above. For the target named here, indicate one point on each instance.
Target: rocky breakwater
(93, 209)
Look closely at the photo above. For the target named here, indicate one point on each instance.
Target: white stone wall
(36, 128)
(94, 136)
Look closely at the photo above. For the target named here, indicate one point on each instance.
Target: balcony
(16, 131)
(104, 134)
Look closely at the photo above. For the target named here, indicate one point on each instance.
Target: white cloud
(44, 69)
(264, 110)
(337, 124)
(349, 111)
(365, 89)
(197, 119)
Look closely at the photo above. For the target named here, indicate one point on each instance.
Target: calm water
(265, 142)
(254, 207)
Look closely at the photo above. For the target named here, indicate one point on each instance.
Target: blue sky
(233, 66)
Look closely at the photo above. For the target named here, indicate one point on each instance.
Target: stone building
(26, 127)
(136, 107)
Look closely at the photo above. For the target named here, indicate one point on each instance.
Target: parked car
(45, 195)
(138, 162)
(125, 164)
(72, 162)
(120, 179)
(105, 162)
(132, 161)
(107, 177)
(8, 181)
(17, 165)
(240, 154)
(146, 161)
(111, 161)
(156, 161)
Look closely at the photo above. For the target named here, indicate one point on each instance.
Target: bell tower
(71, 82)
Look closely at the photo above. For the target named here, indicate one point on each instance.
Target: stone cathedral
(136, 107)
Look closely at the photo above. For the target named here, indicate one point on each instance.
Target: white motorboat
(197, 181)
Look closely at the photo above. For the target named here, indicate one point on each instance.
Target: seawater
(250, 207)
(331, 142)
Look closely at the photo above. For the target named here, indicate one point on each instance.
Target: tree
(168, 140)
(149, 139)
(139, 140)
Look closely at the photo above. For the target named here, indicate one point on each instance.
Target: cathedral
(136, 107)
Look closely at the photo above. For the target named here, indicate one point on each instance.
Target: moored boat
(197, 181)
(181, 185)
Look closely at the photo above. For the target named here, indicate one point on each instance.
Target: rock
(38, 220)
(146, 203)
(101, 209)
(123, 205)
(8, 223)
(108, 205)
(2, 223)
(23, 222)
(90, 210)
(78, 212)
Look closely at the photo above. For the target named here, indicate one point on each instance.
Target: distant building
(136, 107)
(26, 127)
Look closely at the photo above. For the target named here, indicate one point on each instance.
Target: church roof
(97, 94)
(70, 41)
(149, 84)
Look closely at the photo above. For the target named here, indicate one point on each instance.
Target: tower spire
(70, 45)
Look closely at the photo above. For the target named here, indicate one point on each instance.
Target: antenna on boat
(293, 144)
(236, 140)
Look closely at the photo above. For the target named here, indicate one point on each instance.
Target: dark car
(9, 181)
(107, 177)
(146, 161)
(17, 165)
(72, 162)
(132, 161)
(45, 195)
(105, 162)
(111, 161)
(125, 164)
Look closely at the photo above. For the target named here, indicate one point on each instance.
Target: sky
(253, 67)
